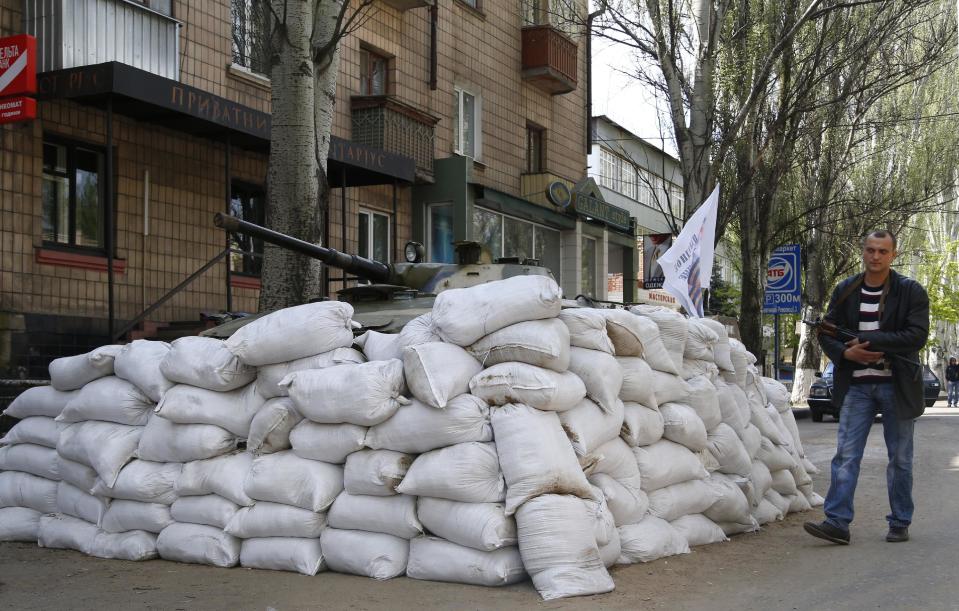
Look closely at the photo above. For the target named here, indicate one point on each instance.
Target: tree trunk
(293, 187)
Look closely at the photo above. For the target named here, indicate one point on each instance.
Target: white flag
(688, 264)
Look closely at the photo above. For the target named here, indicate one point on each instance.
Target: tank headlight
(414, 252)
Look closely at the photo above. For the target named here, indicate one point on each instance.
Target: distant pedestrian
(952, 382)
(891, 315)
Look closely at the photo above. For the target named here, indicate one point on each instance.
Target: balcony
(549, 59)
(382, 121)
(74, 33)
(405, 5)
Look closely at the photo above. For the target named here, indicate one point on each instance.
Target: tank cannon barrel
(374, 271)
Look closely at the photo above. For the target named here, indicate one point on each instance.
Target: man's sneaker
(897, 534)
(825, 530)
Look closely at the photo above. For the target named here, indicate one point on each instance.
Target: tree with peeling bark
(304, 47)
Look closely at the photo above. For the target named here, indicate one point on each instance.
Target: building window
(588, 286)
(73, 194)
(161, 6)
(506, 236)
(440, 231)
(373, 236)
(534, 12)
(251, 35)
(467, 124)
(373, 73)
(535, 149)
(247, 202)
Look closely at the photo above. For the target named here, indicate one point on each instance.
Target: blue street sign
(783, 288)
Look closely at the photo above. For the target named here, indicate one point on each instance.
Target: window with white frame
(467, 124)
(506, 236)
(644, 188)
(373, 235)
(251, 35)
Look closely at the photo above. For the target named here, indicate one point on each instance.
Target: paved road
(780, 568)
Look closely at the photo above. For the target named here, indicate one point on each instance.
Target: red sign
(17, 109)
(18, 65)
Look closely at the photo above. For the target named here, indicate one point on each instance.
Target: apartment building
(455, 120)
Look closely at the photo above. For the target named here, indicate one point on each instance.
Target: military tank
(391, 294)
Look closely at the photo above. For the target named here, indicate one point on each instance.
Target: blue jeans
(953, 396)
(859, 409)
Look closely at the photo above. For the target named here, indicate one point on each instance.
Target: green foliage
(938, 271)
(723, 297)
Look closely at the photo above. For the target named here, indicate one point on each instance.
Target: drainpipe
(589, 78)
(434, 17)
(110, 228)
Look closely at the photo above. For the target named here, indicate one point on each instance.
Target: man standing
(877, 372)
(952, 382)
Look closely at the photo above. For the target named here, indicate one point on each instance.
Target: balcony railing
(72, 33)
(549, 59)
(382, 121)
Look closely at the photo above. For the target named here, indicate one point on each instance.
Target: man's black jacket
(903, 330)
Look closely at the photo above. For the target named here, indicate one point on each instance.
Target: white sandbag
(19, 524)
(209, 509)
(275, 520)
(233, 410)
(39, 430)
(738, 356)
(558, 547)
(268, 377)
(393, 515)
(627, 505)
(295, 554)
(223, 475)
(544, 343)
(375, 472)
(665, 463)
(134, 545)
(798, 502)
(73, 372)
(31, 458)
(668, 388)
(697, 529)
(198, 544)
(721, 348)
(493, 306)
(752, 440)
(696, 367)
(109, 399)
(610, 552)
(732, 414)
(809, 466)
(466, 472)
(206, 363)
(683, 425)
(766, 512)
(144, 481)
(364, 394)
(436, 372)
(165, 441)
(649, 540)
(587, 329)
(642, 426)
(105, 446)
(731, 504)
(637, 384)
(78, 474)
(482, 526)
(600, 373)
(761, 478)
(673, 330)
(330, 443)
(631, 334)
(378, 346)
(604, 523)
(783, 482)
(375, 555)
(776, 393)
(418, 428)
(616, 459)
(286, 478)
(417, 331)
(704, 400)
(58, 531)
(435, 559)
(74, 502)
(39, 401)
(271, 426)
(139, 363)
(122, 516)
(789, 422)
(700, 341)
(684, 498)
(294, 333)
(535, 455)
(778, 500)
(726, 447)
(588, 426)
(530, 385)
(761, 420)
(773, 456)
(736, 528)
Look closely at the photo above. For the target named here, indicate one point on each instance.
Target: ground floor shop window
(247, 202)
(506, 236)
(588, 286)
(615, 274)
(74, 183)
(440, 233)
(373, 236)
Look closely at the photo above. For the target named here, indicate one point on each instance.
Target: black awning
(167, 103)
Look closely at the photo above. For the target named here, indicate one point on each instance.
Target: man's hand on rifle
(858, 352)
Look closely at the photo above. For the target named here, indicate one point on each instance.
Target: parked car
(820, 393)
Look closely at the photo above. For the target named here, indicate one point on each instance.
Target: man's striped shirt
(869, 298)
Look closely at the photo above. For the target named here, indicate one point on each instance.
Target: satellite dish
(558, 194)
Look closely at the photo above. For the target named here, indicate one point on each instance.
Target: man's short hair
(880, 233)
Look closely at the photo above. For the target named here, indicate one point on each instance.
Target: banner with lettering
(688, 264)
(655, 245)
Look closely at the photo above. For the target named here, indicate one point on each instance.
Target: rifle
(831, 329)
